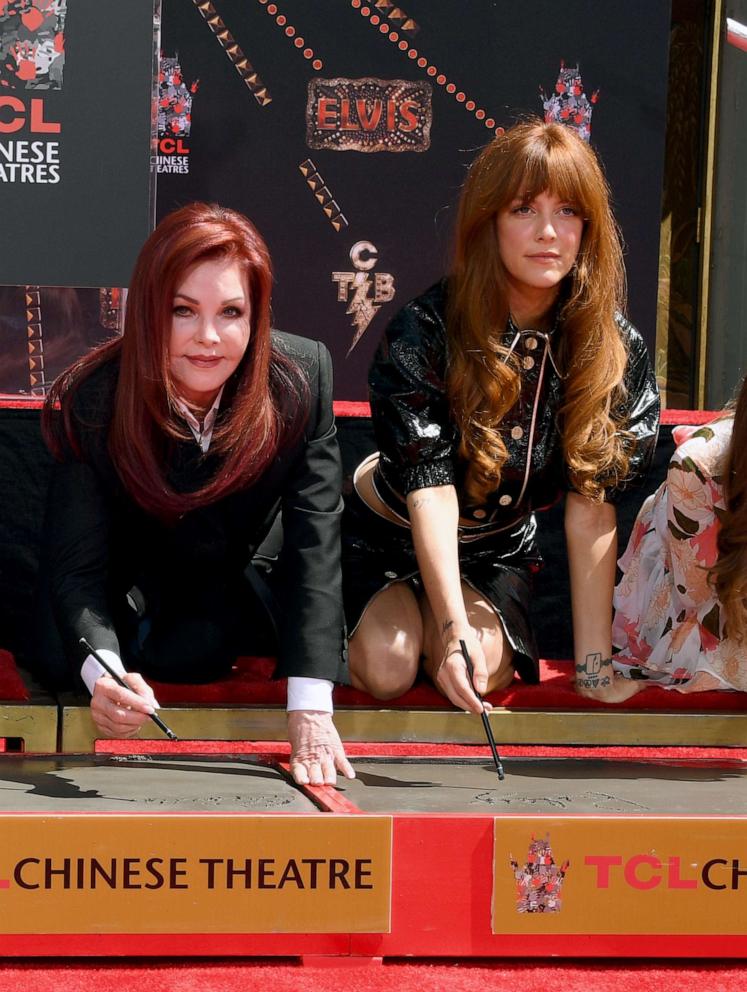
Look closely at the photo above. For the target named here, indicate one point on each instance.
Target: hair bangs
(551, 170)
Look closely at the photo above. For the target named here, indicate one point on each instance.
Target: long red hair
(265, 401)
(483, 383)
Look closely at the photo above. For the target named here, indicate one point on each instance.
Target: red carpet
(396, 976)
(12, 688)
(354, 408)
(251, 684)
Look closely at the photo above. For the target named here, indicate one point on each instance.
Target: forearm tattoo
(446, 628)
(594, 672)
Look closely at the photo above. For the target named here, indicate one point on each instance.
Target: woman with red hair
(513, 381)
(177, 445)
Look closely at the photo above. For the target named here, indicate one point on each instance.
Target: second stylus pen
(484, 715)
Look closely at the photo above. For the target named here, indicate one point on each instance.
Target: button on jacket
(418, 440)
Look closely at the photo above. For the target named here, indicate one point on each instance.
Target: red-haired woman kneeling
(513, 380)
(176, 446)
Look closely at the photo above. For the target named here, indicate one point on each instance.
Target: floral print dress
(668, 622)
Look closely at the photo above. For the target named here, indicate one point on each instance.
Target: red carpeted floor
(395, 976)
(250, 683)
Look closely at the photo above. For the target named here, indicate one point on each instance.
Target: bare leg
(488, 629)
(384, 651)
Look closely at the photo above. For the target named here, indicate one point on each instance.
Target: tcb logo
(363, 290)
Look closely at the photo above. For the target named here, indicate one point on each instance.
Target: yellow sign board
(195, 874)
(610, 875)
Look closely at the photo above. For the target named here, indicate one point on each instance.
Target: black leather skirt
(500, 566)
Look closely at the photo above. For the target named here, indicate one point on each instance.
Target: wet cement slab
(145, 783)
(549, 786)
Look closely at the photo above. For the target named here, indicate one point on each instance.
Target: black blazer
(98, 542)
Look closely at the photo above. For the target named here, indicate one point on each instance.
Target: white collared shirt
(304, 693)
(203, 434)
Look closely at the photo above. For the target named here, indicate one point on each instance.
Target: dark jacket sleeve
(77, 532)
(409, 408)
(309, 586)
(639, 411)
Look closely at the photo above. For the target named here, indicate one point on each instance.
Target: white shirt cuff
(309, 694)
(91, 670)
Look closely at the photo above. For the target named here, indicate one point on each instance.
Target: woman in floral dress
(681, 606)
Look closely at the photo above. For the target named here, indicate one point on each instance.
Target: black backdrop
(247, 141)
(238, 77)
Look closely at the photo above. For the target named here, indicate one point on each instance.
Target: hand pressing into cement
(119, 712)
(317, 753)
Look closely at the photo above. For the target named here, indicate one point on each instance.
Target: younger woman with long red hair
(177, 444)
(515, 379)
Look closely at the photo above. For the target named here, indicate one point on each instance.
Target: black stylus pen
(120, 681)
(484, 715)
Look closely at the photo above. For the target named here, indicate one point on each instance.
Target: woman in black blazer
(177, 445)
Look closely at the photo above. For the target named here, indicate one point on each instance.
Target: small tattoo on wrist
(447, 625)
(589, 671)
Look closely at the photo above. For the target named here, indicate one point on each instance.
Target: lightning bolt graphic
(360, 307)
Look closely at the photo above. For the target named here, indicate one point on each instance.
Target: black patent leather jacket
(418, 440)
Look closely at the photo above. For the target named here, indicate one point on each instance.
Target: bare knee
(385, 649)
(385, 670)
(501, 677)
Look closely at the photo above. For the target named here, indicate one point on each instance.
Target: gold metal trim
(706, 216)
(35, 724)
(562, 727)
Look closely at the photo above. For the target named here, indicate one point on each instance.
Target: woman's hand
(452, 675)
(119, 712)
(317, 753)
